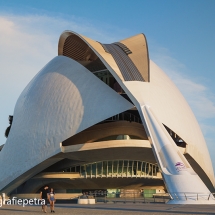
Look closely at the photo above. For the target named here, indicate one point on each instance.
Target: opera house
(104, 116)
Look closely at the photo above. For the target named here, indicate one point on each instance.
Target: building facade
(105, 116)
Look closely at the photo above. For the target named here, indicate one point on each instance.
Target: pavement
(113, 208)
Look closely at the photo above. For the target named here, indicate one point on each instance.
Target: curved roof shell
(157, 91)
(62, 98)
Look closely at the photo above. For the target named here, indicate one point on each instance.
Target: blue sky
(180, 34)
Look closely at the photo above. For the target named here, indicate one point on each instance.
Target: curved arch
(140, 55)
(158, 102)
(160, 94)
(100, 131)
(46, 115)
(114, 168)
(78, 48)
(74, 47)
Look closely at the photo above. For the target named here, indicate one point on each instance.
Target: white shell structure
(62, 100)
(65, 98)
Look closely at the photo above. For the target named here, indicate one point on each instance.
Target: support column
(183, 184)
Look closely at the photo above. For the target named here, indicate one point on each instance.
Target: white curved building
(107, 114)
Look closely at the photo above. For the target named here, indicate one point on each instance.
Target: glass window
(94, 169)
(88, 169)
(144, 168)
(109, 167)
(77, 168)
(150, 169)
(83, 168)
(104, 167)
(120, 167)
(73, 169)
(115, 163)
(129, 168)
(99, 169)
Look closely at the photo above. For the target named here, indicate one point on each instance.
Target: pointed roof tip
(135, 47)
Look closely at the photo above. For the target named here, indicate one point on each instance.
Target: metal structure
(116, 169)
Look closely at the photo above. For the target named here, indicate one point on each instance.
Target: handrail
(124, 117)
(190, 195)
(141, 196)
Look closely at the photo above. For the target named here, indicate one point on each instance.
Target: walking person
(52, 199)
(44, 195)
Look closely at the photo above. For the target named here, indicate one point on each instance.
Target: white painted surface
(181, 181)
(167, 102)
(172, 110)
(63, 99)
(106, 144)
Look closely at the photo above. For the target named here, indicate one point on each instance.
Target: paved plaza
(111, 208)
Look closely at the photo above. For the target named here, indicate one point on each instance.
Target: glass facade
(125, 116)
(116, 168)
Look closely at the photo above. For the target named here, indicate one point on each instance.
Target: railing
(192, 196)
(124, 116)
(116, 169)
(142, 197)
(127, 197)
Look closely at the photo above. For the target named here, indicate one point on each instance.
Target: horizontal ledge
(106, 144)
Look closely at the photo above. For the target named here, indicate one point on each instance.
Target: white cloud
(22, 52)
(197, 95)
(28, 43)
(208, 129)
